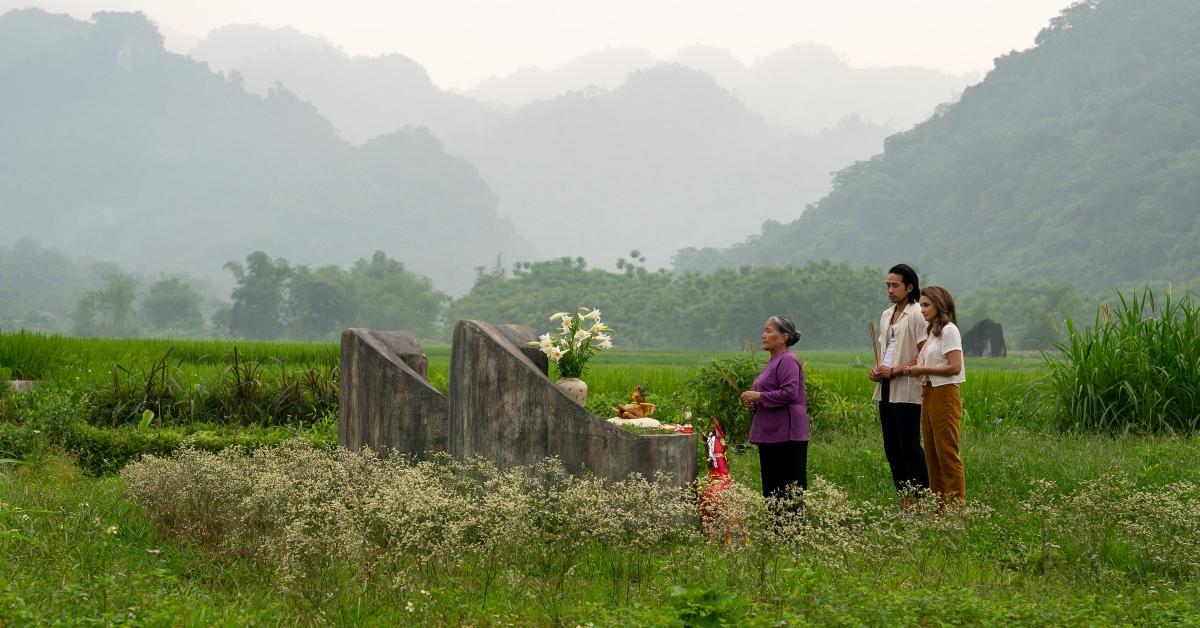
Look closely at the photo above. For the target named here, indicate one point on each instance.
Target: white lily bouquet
(572, 347)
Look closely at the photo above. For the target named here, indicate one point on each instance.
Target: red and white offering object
(719, 481)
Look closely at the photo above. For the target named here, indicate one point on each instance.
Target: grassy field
(81, 553)
(1064, 529)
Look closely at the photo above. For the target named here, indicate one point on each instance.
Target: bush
(306, 512)
(105, 451)
(17, 441)
(714, 392)
(1136, 369)
(53, 417)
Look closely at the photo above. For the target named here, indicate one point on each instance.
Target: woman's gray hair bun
(785, 325)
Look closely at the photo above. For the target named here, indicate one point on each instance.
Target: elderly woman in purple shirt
(780, 427)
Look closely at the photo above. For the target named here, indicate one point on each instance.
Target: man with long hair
(901, 330)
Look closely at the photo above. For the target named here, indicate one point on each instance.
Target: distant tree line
(273, 299)
(662, 310)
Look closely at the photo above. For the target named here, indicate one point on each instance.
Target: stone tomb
(385, 400)
(502, 407)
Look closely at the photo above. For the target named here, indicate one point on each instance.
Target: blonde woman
(940, 366)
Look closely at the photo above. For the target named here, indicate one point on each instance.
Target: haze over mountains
(666, 156)
(116, 149)
(804, 88)
(1076, 161)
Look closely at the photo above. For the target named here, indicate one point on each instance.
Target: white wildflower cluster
(307, 511)
(580, 336)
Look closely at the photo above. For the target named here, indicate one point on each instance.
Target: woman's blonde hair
(943, 302)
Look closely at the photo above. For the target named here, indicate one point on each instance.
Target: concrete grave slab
(385, 399)
(504, 408)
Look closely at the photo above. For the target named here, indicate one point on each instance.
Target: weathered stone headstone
(504, 408)
(385, 399)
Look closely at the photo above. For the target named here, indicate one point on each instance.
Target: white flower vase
(574, 388)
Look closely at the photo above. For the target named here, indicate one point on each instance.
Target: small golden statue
(639, 409)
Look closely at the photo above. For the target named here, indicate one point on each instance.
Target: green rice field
(1056, 534)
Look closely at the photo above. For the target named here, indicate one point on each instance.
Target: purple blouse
(780, 414)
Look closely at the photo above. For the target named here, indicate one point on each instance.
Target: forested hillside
(1077, 160)
(113, 148)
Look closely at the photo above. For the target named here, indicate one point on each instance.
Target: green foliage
(244, 392)
(36, 422)
(1074, 160)
(705, 607)
(30, 355)
(714, 392)
(171, 304)
(1136, 369)
(99, 562)
(259, 298)
(107, 311)
(1084, 540)
(100, 451)
(320, 302)
(389, 296)
(1065, 528)
(273, 300)
(660, 310)
(1028, 310)
(42, 356)
(38, 287)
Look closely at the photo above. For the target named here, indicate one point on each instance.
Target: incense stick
(874, 340)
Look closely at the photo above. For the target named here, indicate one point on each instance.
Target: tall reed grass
(1136, 369)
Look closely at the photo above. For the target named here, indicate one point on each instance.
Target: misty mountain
(364, 97)
(809, 87)
(668, 157)
(604, 69)
(1077, 160)
(668, 153)
(806, 88)
(228, 47)
(803, 88)
(113, 148)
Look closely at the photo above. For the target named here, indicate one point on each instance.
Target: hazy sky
(461, 42)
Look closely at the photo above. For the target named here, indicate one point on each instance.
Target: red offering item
(718, 480)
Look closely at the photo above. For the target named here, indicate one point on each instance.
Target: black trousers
(901, 423)
(783, 464)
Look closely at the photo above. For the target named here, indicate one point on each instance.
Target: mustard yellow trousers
(941, 416)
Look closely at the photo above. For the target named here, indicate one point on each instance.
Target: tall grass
(1137, 369)
(31, 355)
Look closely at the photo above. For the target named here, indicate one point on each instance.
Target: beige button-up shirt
(911, 330)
